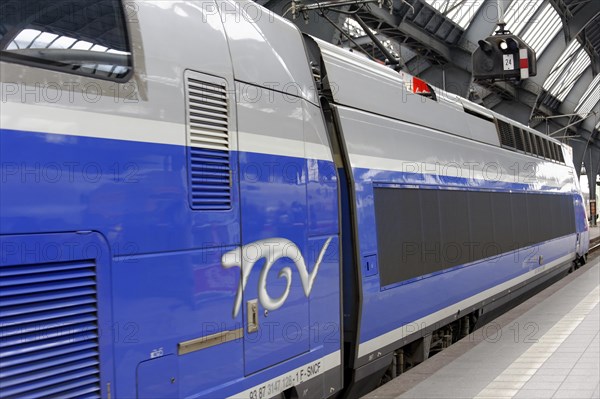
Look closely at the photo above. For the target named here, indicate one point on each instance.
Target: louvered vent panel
(505, 133)
(548, 149)
(560, 155)
(209, 163)
(49, 331)
(538, 151)
(520, 139)
(534, 146)
(527, 141)
(540, 146)
(519, 144)
(553, 148)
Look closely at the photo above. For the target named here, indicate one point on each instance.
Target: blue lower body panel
(165, 285)
(428, 298)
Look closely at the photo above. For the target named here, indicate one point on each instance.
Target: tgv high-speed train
(198, 201)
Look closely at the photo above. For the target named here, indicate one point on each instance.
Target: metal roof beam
(409, 29)
(518, 109)
(589, 137)
(572, 100)
(590, 123)
(417, 65)
(362, 40)
(588, 155)
(315, 25)
(406, 53)
(548, 59)
(576, 26)
(583, 17)
(426, 39)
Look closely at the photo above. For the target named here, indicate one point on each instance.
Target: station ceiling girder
(408, 29)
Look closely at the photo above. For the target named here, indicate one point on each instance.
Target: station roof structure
(434, 40)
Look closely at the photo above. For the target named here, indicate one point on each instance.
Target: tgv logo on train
(271, 249)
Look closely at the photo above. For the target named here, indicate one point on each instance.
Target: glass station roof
(519, 14)
(589, 99)
(460, 11)
(540, 31)
(567, 70)
(538, 23)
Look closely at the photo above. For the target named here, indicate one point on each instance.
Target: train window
(448, 228)
(84, 37)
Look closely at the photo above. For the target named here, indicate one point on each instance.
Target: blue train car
(232, 209)
(451, 211)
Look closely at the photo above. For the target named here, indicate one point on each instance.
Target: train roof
(376, 90)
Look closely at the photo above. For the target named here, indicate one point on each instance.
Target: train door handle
(252, 307)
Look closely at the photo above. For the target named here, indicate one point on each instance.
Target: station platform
(547, 347)
(594, 232)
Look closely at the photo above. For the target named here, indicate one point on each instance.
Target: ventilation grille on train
(209, 163)
(515, 138)
(49, 331)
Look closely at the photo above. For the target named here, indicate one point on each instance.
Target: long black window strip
(421, 231)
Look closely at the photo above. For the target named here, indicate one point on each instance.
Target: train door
(275, 304)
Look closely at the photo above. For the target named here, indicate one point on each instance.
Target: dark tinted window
(420, 231)
(84, 37)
